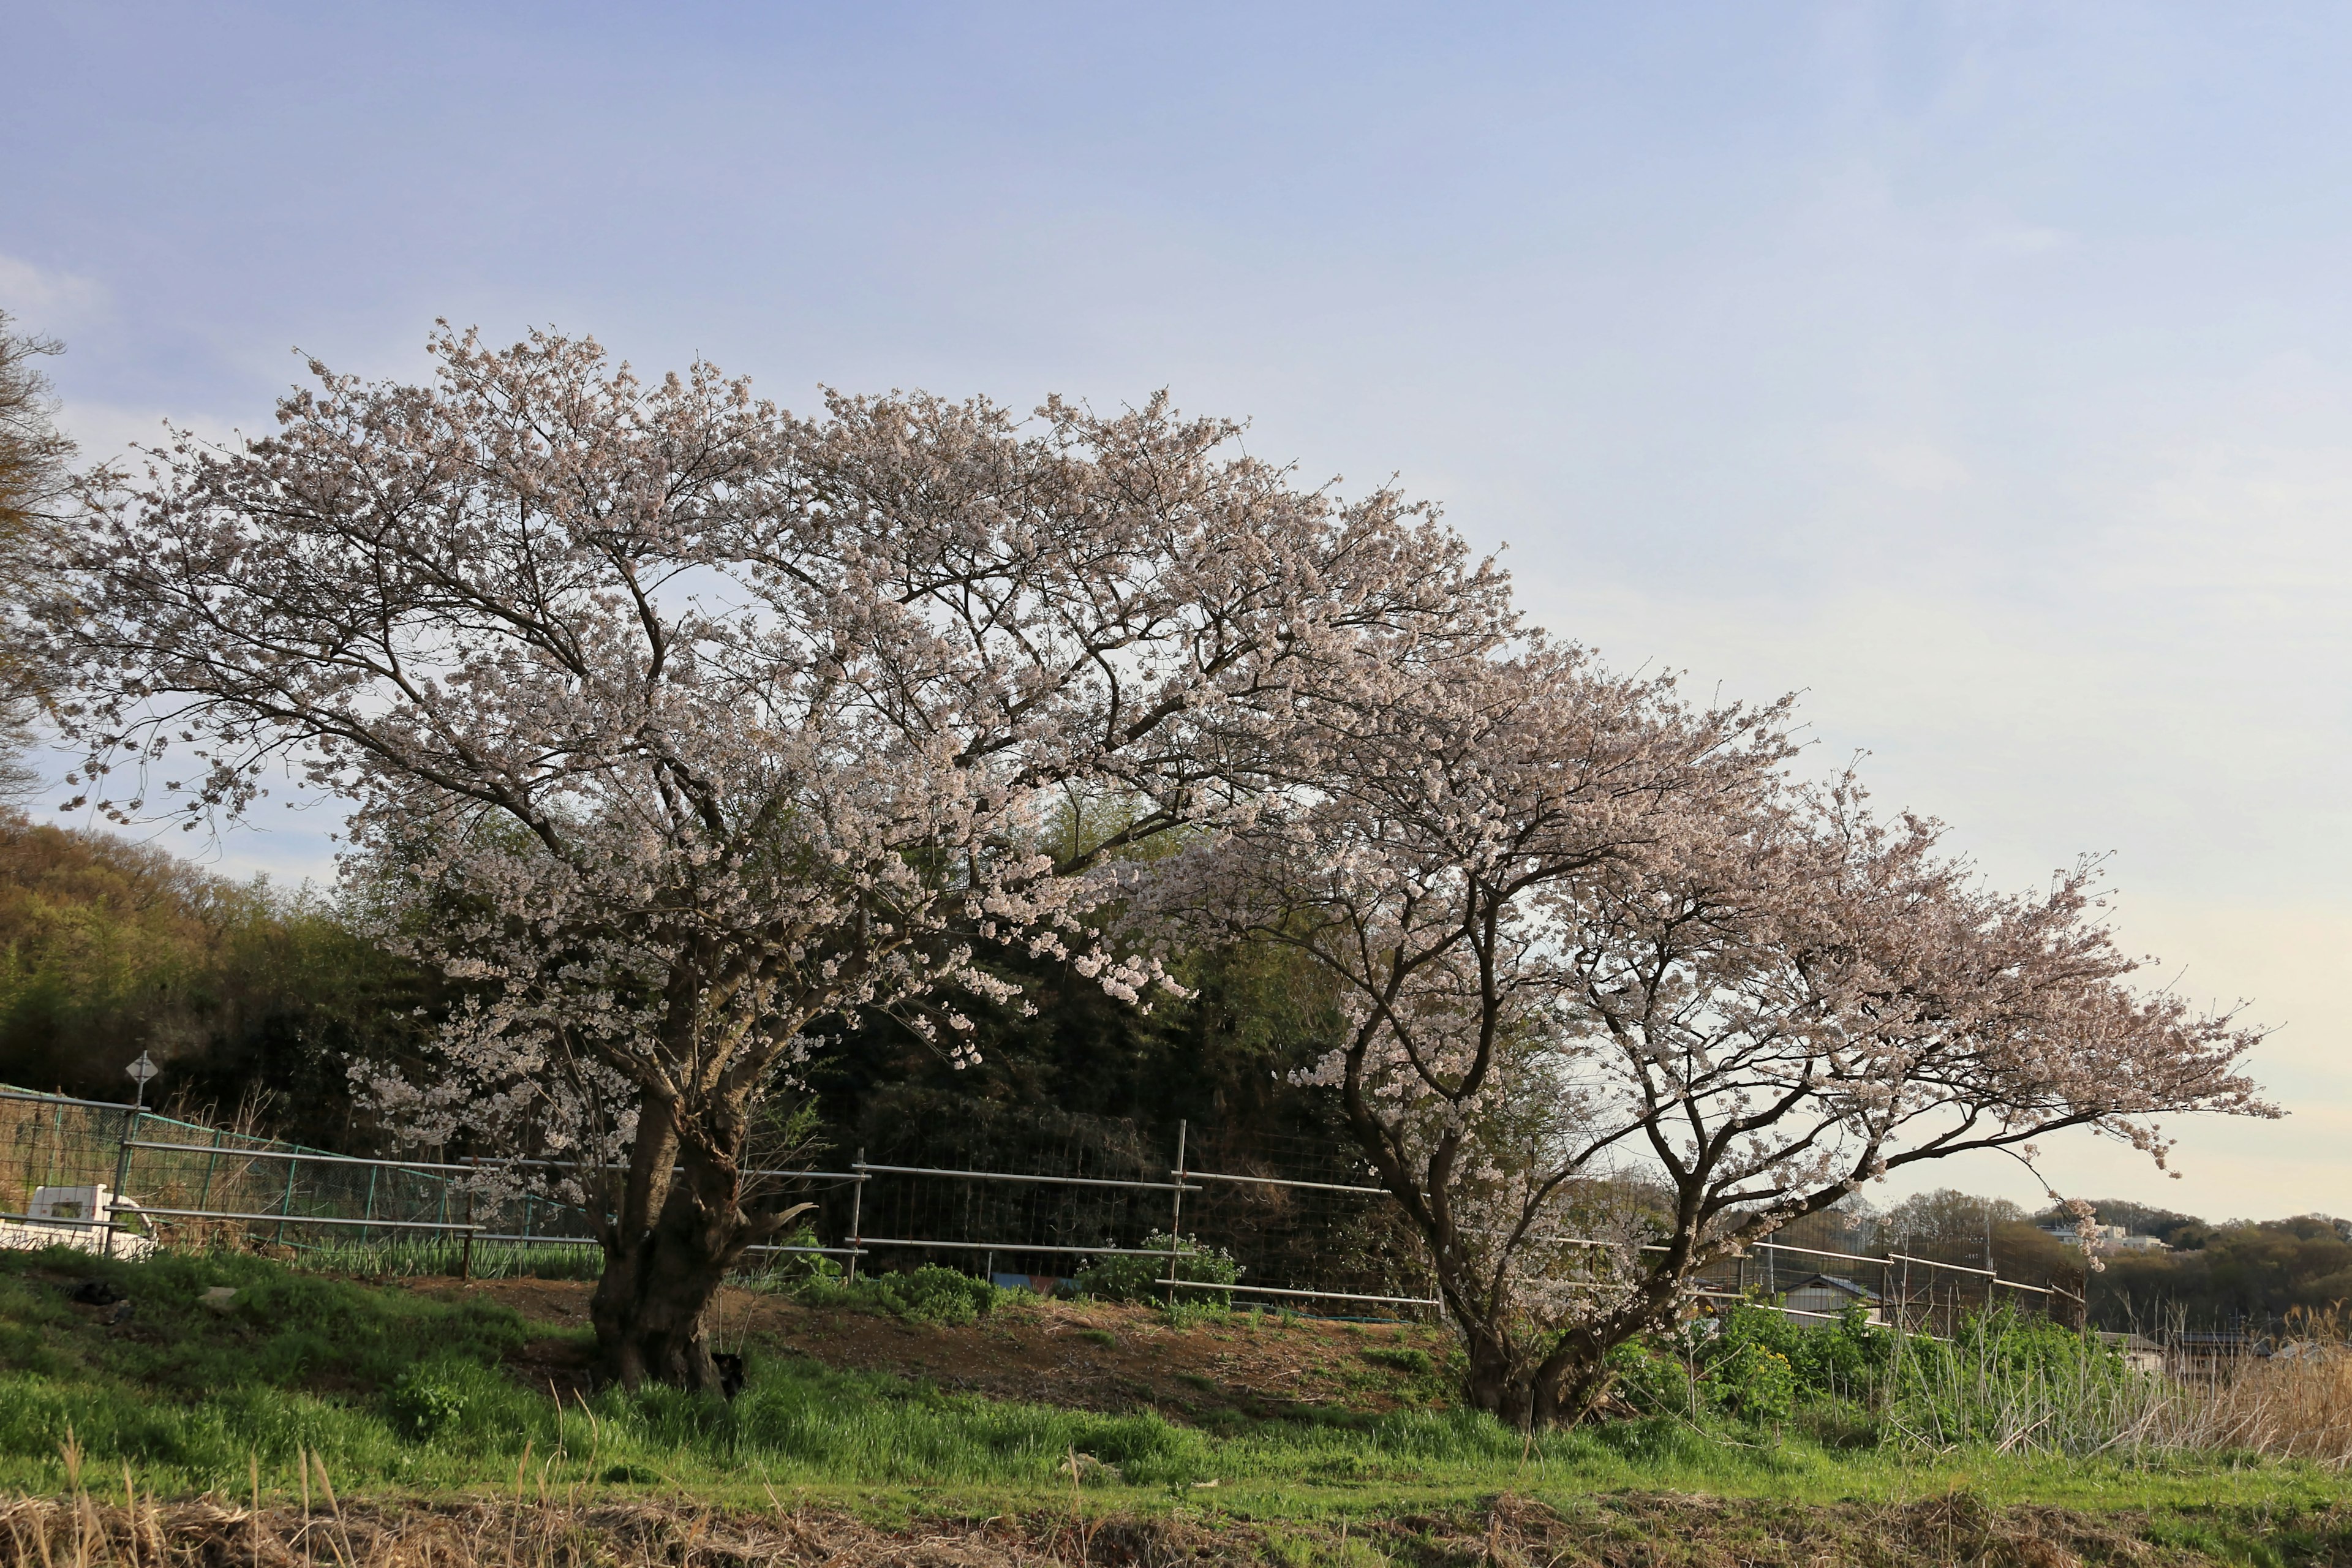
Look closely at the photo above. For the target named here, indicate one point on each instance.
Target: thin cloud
(46, 299)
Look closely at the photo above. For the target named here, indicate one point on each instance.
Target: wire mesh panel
(1303, 1225)
(1040, 1194)
(1918, 1294)
(49, 1142)
(1081, 1186)
(213, 1185)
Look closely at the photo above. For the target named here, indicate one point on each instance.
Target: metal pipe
(473, 1163)
(1278, 1182)
(1315, 1295)
(1176, 1218)
(1932, 1263)
(1009, 1176)
(418, 1166)
(123, 1160)
(65, 1099)
(856, 1212)
(283, 1220)
(1020, 1247)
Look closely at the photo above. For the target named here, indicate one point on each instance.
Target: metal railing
(193, 1183)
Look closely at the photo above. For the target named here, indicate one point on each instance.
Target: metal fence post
(212, 1162)
(286, 1204)
(857, 1214)
(1176, 1216)
(121, 1172)
(466, 1252)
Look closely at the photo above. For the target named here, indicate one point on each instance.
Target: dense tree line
(2263, 1276)
(2281, 1276)
(256, 999)
(261, 998)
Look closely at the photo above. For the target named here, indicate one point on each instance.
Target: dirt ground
(1620, 1531)
(1090, 1355)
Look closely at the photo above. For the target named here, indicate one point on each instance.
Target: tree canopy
(683, 735)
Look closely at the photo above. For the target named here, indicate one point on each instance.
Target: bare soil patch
(1084, 1354)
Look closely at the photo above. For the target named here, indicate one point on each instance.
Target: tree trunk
(1559, 1391)
(1561, 1387)
(1496, 1381)
(652, 1307)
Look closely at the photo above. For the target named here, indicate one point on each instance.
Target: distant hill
(244, 991)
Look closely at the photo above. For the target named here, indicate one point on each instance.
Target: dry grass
(2296, 1407)
(1620, 1531)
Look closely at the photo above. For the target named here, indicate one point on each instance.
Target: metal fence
(1323, 1244)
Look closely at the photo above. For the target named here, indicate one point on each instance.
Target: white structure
(1829, 1295)
(87, 1218)
(2108, 1238)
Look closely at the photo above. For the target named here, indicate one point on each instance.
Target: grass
(399, 1394)
(403, 1256)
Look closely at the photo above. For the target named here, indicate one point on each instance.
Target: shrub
(1753, 1383)
(424, 1402)
(935, 1295)
(1652, 1383)
(1127, 1277)
(793, 1268)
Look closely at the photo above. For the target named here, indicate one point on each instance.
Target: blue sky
(1983, 371)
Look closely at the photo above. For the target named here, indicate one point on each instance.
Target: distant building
(2206, 1350)
(2139, 1352)
(2105, 1238)
(1829, 1295)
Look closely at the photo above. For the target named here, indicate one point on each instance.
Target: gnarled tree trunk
(1527, 1378)
(679, 1225)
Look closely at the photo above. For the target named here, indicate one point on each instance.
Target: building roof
(1837, 1283)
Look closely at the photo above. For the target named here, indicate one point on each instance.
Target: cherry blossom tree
(680, 730)
(1593, 942)
(37, 483)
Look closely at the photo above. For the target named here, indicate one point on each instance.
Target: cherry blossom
(678, 729)
(1623, 996)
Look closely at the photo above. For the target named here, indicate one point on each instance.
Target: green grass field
(400, 1394)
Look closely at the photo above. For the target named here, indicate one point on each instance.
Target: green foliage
(1654, 1382)
(1410, 1360)
(793, 1267)
(406, 1257)
(2000, 1378)
(1752, 1382)
(1125, 1277)
(404, 1395)
(426, 1402)
(931, 1294)
(108, 947)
